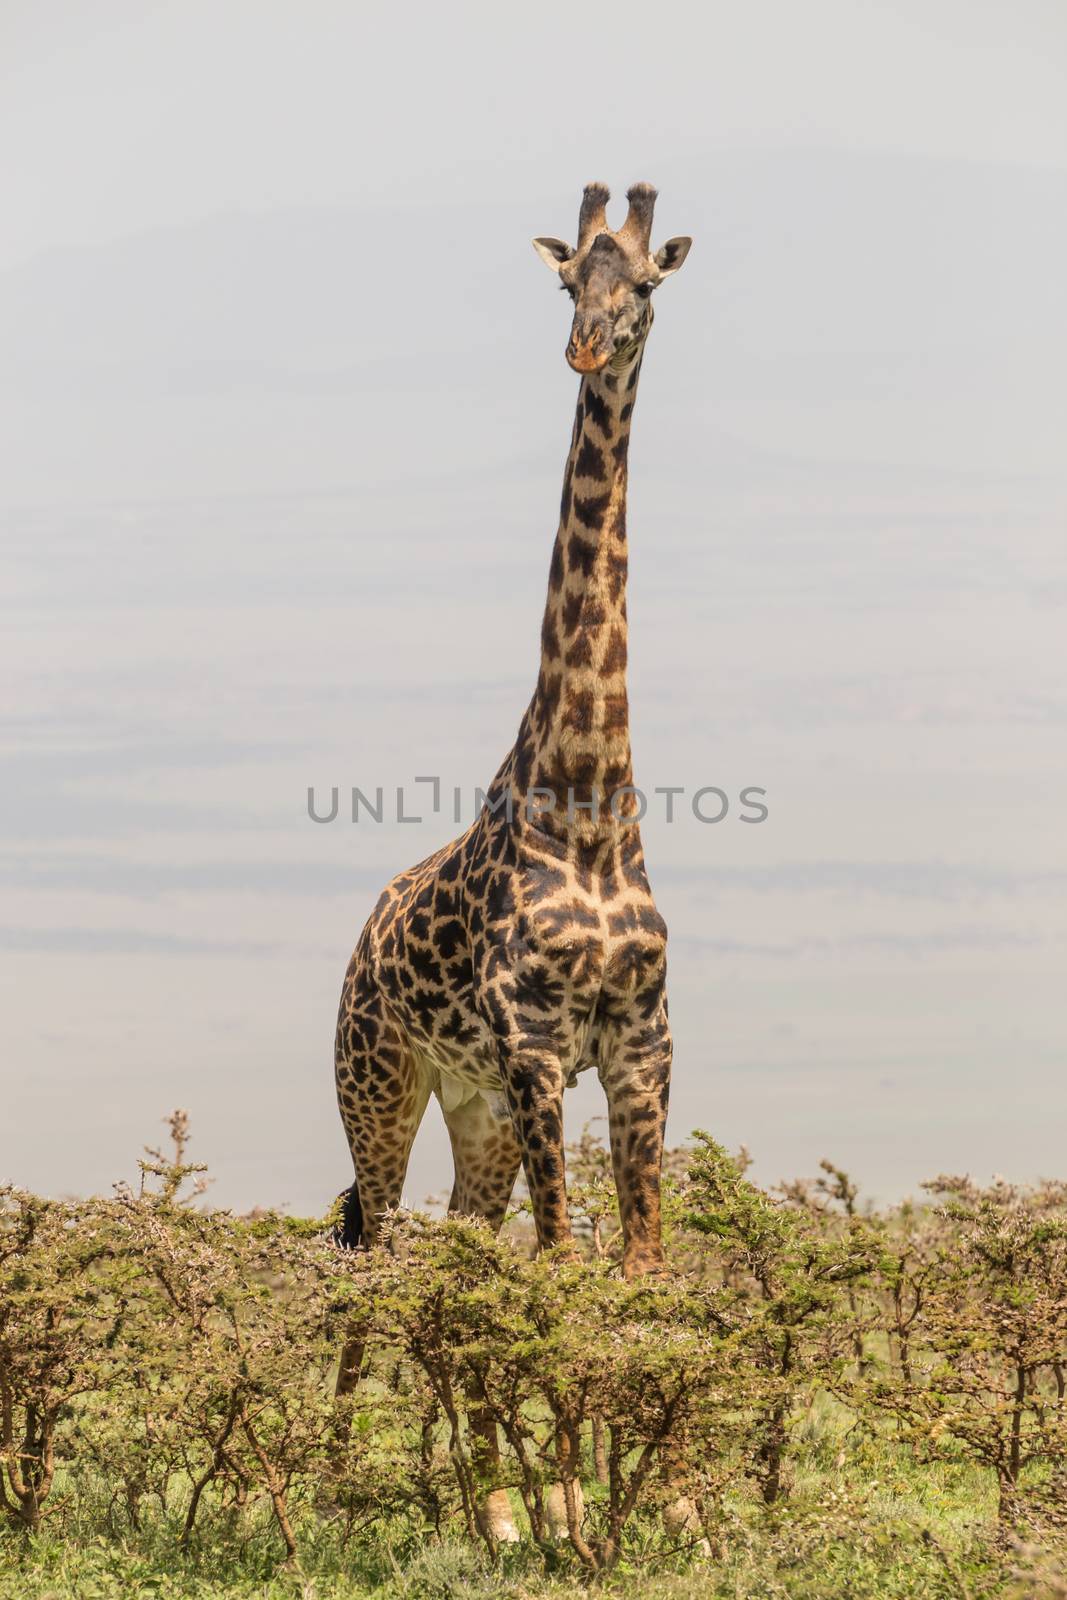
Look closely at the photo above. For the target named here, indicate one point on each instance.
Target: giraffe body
(530, 949)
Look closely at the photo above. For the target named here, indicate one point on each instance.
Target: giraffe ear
(671, 255)
(553, 252)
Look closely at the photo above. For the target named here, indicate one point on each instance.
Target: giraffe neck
(577, 737)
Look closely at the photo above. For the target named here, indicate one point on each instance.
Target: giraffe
(530, 949)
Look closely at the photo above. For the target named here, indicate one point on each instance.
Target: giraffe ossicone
(530, 948)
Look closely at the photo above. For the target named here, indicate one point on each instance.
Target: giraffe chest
(591, 937)
(517, 948)
(602, 952)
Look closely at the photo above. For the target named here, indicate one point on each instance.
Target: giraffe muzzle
(588, 350)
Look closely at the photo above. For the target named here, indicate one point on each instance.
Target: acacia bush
(978, 1294)
(63, 1295)
(175, 1365)
(792, 1281)
(544, 1347)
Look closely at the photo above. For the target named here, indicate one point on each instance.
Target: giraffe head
(610, 277)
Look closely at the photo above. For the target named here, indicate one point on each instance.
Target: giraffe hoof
(556, 1510)
(646, 1272)
(500, 1517)
(681, 1520)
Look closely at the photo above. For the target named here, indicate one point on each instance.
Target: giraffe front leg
(533, 1086)
(635, 1070)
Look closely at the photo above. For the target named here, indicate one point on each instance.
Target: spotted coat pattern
(530, 949)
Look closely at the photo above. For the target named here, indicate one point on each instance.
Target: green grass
(863, 1519)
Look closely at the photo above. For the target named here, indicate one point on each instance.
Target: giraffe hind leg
(486, 1156)
(382, 1091)
(382, 1094)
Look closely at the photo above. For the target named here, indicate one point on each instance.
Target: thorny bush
(185, 1358)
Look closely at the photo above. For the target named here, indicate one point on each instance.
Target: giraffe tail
(348, 1232)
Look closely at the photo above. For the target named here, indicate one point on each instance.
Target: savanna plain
(822, 1398)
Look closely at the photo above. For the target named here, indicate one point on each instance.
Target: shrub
(167, 1373)
(792, 1282)
(987, 1334)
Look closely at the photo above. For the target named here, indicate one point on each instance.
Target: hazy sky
(284, 412)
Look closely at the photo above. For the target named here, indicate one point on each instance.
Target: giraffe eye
(568, 288)
(645, 289)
